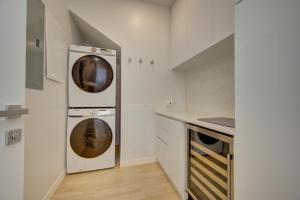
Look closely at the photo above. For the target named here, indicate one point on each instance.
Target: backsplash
(210, 88)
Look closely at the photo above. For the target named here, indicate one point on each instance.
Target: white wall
(142, 31)
(267, 100)
(46, 124)
(210, 87)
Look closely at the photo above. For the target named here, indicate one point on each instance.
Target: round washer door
(92, 73)
(91, 138)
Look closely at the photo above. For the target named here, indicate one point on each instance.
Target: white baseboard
(55, 185)
(138, 161)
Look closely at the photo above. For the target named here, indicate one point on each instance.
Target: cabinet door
(178, 33)
(222, 19)
(208, 22)
(199, 25)
(196, 25)
(171, 150)
(177, 155)
(162, 129)
(161, 152)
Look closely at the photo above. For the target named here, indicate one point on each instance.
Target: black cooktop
(223, 121)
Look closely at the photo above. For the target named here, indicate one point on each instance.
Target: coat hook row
(141, 61)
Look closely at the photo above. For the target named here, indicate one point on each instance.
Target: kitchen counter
(191, 118)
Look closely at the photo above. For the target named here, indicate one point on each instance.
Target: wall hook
(129, 60)
(141, 61)
(152, 62)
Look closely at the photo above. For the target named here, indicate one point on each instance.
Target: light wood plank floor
(142, 182)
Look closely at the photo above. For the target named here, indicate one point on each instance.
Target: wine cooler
(209, 164)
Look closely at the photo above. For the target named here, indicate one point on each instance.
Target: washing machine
(92, 77)
(90, 139)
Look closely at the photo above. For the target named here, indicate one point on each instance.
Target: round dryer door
(91, 138)
(92, 73)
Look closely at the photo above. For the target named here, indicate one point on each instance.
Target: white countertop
(192, 119)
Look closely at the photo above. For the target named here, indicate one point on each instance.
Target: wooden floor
(142, 182)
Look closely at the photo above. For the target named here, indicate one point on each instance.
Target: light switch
(13, 136)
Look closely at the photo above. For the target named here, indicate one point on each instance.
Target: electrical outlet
(169, 103)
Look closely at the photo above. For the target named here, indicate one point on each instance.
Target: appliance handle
(102, 112)
(76, 116)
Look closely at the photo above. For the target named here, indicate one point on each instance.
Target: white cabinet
(161, 149)
(171, 150)
(197, 25)
(222, 19)
(178, 33)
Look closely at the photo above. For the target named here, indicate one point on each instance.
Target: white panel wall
(267, 100)
(46, 124)
(142, 31)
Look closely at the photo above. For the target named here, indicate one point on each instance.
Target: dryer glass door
(91, 138)
(92, 73)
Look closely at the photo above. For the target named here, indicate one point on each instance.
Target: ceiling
(161, 2)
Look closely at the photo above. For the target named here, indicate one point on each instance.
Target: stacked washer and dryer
(92, 108)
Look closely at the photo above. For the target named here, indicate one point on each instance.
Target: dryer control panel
(91, 112)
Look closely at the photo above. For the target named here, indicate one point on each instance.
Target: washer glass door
(91, 138)
(92, 73)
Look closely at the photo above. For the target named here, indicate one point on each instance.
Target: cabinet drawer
(166, 128)
(163, 128)
(162, 151)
